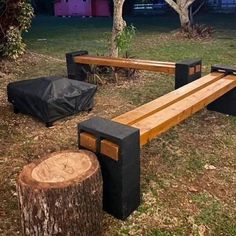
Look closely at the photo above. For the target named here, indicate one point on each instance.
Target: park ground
(188, 174)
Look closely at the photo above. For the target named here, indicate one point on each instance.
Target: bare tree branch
(189, 3)
(199, 7)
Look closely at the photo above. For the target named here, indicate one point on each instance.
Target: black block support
(76, 71)
(121, 179)
(227, 70)
(187, 71)
(227, 103)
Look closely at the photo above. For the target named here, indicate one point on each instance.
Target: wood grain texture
(162, 102)
(78, 58)
(110, 149)
(191, 70)
(88, 141)
(165, 67)
(198, 68)
(163, 120)
(146, 110)
(53, 206)
(163, 113)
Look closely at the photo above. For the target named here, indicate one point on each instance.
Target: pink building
(82, 8)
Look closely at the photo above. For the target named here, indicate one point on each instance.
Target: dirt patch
(24, 139)
(179, 195)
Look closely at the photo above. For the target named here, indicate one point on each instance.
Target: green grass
(179, 196)
(215, 214)
(164, 232)
(69, 34)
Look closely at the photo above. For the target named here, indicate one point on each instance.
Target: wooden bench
(163, 113)
(156, 66)
(109, 139)
(78, 65)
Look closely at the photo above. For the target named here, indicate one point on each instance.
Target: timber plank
(182, 103)
(88, 141)
(107, 148)
(163, 120)
(127, 63)
(160, 103)
(110, 149)
(97, 58)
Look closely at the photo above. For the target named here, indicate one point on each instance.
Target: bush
(15, 19)
(125, 38)
(13, 47)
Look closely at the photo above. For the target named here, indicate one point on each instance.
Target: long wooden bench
(117, 142)
(163, 113)
(78, 65)
(156, 66)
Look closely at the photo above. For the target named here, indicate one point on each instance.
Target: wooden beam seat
(79, 62)
(121, 139)
(160, 103)
(156, 66)
(163, 113)
(163, 120)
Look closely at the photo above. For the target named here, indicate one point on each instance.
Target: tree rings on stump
(61, 195)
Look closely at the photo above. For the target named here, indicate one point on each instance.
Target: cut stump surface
(61, 195)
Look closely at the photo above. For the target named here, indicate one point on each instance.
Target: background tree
(195, 8)
(118, 25)
(182, 8)
(15, 18)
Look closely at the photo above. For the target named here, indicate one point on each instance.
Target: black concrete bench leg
(121, 179)
(227, 103)
(75, 70)
(187, 71)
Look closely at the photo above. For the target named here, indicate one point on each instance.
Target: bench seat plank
(95, 59)
(128, 63)
(172, 114)
(163, 120)
(140, 115)
(160, 103)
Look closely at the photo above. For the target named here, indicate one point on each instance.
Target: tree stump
(61, 195)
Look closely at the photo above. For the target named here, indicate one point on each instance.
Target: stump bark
(61, 195)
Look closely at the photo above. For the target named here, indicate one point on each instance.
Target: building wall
(61, 8)
(100, 8)
(82, 8)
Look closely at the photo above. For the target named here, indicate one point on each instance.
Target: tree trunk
(182, 8)
(191, 15)
(184, 18)
(8, 17)
(61, 195)
(118, 25)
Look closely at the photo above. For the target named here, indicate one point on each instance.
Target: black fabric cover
(51, 98)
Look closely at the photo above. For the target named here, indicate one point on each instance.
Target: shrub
(16, 16)
(125, 38)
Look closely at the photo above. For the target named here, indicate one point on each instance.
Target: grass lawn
(180, 195)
